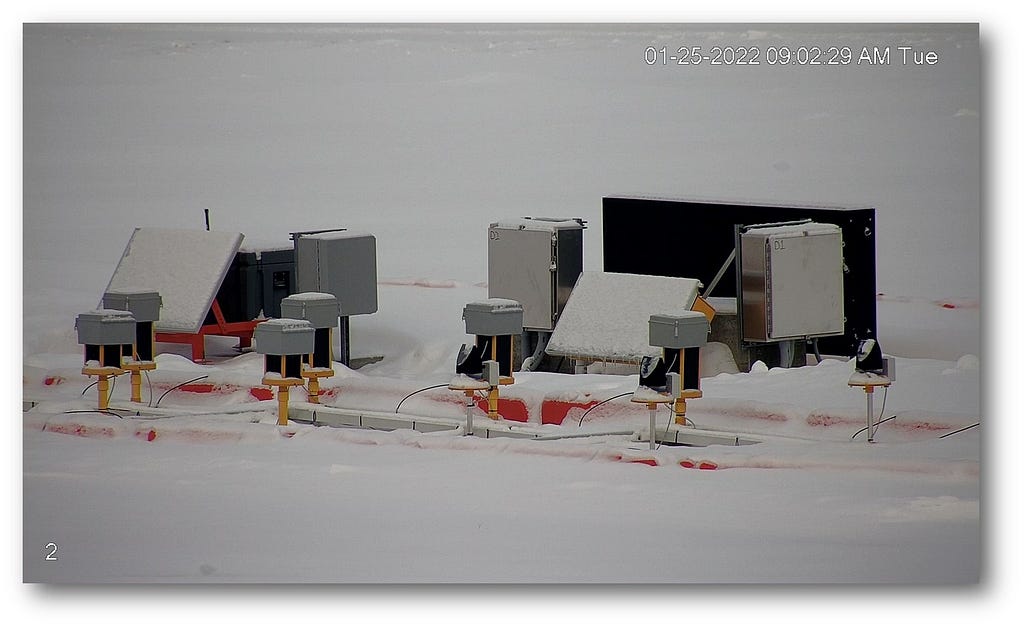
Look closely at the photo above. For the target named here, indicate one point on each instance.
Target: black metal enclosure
(256, 282)
(690, 238)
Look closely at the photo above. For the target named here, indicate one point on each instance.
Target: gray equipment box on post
(342, 263)
(143, 304)
(792, 281)
(493, 317)
(105, 327)
(319, 308)
(535, 261)
(284, 336)
(683, 331)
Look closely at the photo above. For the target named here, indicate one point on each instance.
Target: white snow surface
(607, 315)
(421, 135)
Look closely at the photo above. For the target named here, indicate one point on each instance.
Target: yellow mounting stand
(689, 393)
(492, 395)
(136, 367)
(313, 373)
(283, 384)
(103, 386)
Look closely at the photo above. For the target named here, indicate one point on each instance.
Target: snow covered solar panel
(186, 267)
(607, 315)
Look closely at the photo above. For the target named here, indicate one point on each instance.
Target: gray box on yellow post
(493, 317)
(679, 331)
(105, 327)
(284, 336)
(322, 310)
(143, 304)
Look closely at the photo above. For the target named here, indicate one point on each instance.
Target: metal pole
(871, 396)
(654, 410)
(469, 413)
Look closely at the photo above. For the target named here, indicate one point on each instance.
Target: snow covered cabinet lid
(105, 327)
(143, 304)
(493, 317)
(284, 336)
(321, 309)
(678, 331)
(540, 223)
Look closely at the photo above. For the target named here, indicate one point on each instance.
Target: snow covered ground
(423, 136)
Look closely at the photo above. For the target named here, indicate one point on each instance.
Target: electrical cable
(817, 353)
(93, 412)
(881, 413)
(416, 392)
(671, 412)
(157, 404)
(150, 382)
(599, 404)
(960, 430)
(858, 432)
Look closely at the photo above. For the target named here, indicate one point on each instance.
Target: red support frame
(243, 331)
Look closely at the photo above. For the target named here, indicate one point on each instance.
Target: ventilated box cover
(679, 331)
(493, 317)
(792, 280)
(342, 263)
(284, 336)
(319, 308)
(105, 327)
(143, 304)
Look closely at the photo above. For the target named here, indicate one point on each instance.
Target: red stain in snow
(651, 462)
(263, 394)
(509, 409)
(197, 388)
(53, 380)
(553, 412)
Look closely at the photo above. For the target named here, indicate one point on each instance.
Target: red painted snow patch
(949, 306)
(825, 420)
(263, 394)
(77, 429)
(553, 412)
(329, 393)
(146, 435)
(509, 409)
(53, 380)
(197, 388)
(703, 465)
(651, 462)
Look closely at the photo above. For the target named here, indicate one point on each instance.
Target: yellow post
(314, 390)
(136, 386)
(282, 405)
(103, 387)
(492, 403)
